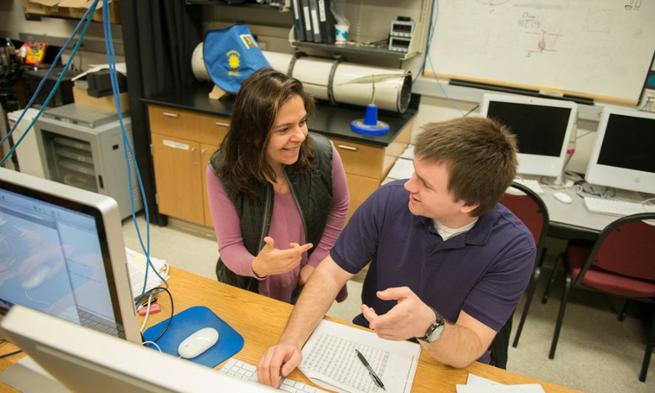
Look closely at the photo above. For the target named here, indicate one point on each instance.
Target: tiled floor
(596, 353)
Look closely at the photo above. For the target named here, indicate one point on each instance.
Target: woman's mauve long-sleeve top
(286, 227)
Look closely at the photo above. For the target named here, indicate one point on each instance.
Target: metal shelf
(245, 5)
(355, 49)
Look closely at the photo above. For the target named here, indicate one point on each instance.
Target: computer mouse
(36, 278)
(562, 197)
(197, 343)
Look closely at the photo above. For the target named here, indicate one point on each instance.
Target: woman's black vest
(312, 192)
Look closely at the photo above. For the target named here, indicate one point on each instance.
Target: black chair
(530, 209)
(500, 344)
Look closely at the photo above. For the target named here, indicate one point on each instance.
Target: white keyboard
(616, 207)
(247, 372)
(531, 184)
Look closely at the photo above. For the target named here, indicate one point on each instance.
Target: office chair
(498, 348)
(621, 263)
(530, 209)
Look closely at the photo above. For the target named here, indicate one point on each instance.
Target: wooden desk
(261, 320)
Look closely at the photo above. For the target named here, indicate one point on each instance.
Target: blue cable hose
(128, 151)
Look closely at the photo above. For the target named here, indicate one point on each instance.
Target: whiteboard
(598, 49)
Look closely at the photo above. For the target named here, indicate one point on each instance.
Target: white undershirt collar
(446, 232)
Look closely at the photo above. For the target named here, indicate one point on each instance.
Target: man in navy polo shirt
(448, 263)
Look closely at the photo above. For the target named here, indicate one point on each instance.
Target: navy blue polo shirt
(483, 271)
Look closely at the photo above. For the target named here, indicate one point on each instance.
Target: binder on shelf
(313, 10)
(307, 21)
(298, 29)
(326, 21)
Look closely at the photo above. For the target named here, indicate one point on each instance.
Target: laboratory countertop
(330, 120)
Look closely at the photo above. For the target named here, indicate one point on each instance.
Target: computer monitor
(624, 153)
(62, 252)
(542, 128)
(84, 360)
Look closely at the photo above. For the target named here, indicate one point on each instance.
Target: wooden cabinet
(177, 174)
(206, 152)
(182, 143)
(366, 165)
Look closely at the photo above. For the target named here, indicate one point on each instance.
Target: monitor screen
(86, 361)
(542, 128)
(624, 154)
(629, 142)
(61, 252)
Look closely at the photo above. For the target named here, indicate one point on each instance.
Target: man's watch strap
(434, 331)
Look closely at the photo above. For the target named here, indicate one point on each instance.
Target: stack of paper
(136, 265)
(330, 360)
(476, 384)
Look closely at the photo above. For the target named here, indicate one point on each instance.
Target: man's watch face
(434, 331)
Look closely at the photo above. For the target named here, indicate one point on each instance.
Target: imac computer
(62, 253)
(85, 360)
(542, 128)
(624, 153)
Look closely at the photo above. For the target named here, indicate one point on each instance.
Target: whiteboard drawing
(541, 37)
(545, 43)
(592, 48)
(492, 2)
(529, 22)
(632, 5)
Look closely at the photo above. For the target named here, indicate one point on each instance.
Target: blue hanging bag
(231, 55)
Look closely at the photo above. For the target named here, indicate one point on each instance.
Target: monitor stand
(28, 377)
(561, 179)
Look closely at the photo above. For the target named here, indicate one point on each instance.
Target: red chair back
(530, 209)
(627, 247)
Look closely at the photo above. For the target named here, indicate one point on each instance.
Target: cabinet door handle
(346, 147)
(171, 114)
(222, 124)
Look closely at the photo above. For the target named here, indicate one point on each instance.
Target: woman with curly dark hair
(277, 193)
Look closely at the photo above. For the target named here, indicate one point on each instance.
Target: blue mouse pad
(189, 321)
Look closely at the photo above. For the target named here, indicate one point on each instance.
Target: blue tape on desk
(189, 321)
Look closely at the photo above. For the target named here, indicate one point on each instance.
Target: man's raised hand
(409, 318)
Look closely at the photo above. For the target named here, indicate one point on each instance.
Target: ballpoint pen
(371, 372)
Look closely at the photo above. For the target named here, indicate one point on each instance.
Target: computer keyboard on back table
(248, 372)
(616, 207)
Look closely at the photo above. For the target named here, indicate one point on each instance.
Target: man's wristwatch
(434, 331)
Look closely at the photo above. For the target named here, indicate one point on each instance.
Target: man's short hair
(480, 155)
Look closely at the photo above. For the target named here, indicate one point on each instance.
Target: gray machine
(82, 147)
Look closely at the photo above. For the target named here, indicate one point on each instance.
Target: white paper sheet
(136, 266)
(330, 361)
(477, 384)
